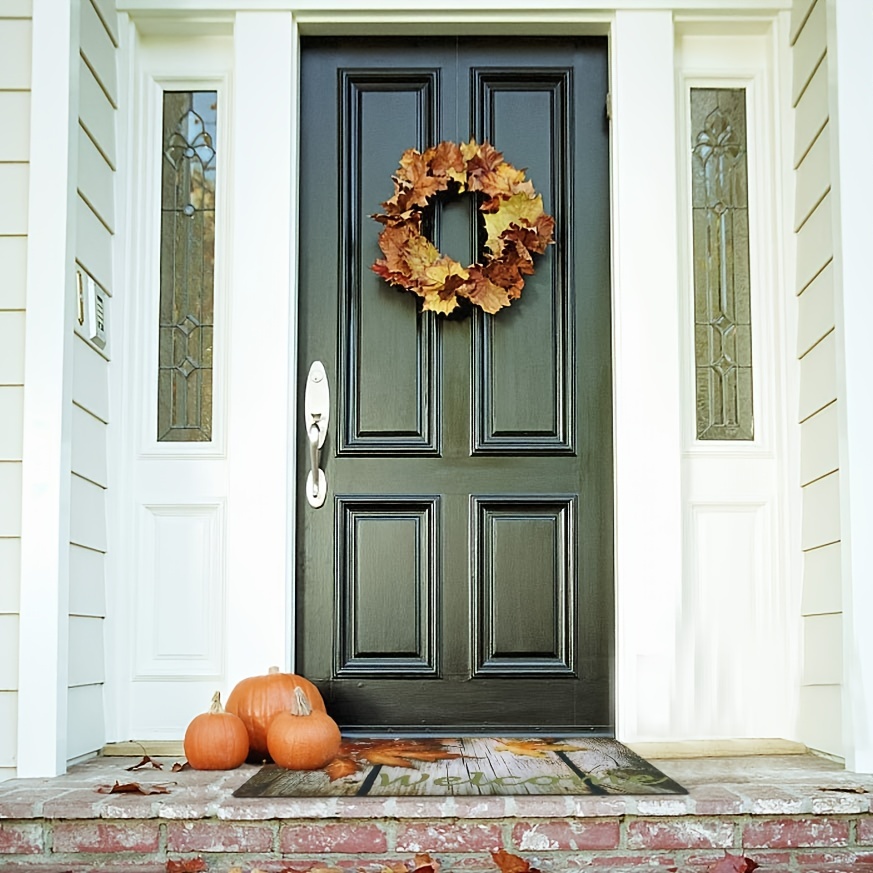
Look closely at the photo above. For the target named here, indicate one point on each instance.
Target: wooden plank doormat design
(468, 766)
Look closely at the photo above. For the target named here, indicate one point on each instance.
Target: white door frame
(645, 278)
(644, 263)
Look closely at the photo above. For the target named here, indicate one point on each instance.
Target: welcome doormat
(468, 766)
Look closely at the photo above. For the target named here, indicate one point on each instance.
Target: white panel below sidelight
(729, 607)
(179, 618)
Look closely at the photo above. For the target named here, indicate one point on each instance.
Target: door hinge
(609, 105)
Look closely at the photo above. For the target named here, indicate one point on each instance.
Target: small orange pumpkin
(216, 740)
(303, 738)
(258, 699)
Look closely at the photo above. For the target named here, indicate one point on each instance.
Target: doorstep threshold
(678, 749)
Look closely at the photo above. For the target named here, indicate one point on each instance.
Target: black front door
(459, 574)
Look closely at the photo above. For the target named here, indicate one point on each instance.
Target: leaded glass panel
(187, 294)
(722, 292)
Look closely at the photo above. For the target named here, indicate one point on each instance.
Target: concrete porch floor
(787, 812)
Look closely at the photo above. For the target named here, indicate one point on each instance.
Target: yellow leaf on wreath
(520, 209)
(434, 302)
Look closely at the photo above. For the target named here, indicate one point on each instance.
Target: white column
(646, 355)
(261, 342)
(45, 505)
(850, 64)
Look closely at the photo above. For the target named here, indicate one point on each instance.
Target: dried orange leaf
(483, 292)
(512, 863)
(338, 768)
(425, 864)
(146, 762)
(134, 788)
(733, 864)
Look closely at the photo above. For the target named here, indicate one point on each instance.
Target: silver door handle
(316, 414)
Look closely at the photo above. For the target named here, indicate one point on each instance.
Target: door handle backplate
(316, 417)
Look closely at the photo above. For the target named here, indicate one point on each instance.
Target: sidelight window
(720, 239)
(187, 266)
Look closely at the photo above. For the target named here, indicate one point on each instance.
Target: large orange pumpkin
(303, 738)
(216, 740)
(259, 699)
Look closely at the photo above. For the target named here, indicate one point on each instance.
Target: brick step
(791, 814)
(686, 843)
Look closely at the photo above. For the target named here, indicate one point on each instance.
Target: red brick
(554, 835)
(796, 833)
(865, 831)
(848, 866)
(842, 856)
(70, 836)
(771, 862)
(204, 836)
(449, 837)
(684, 833)
(20, 839)
(342, 839)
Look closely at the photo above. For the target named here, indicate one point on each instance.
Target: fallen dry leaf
(849, 789)
(146, 762)
(134, 788)
(338, 768)
(179, 766)
(187, 865)
(425, 864)
(733, 864)
(512, 863)
(535, 748)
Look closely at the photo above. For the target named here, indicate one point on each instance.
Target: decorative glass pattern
(722, 293)
(187, 299)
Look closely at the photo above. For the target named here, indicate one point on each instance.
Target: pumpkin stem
(300, 705)
(272, 670)
(216, 707)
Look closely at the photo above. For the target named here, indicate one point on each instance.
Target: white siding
(15, 36)
(821, 689)
(95, 224)
(13, 256)
(15, 60)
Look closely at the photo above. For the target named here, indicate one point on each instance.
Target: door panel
(459, 574)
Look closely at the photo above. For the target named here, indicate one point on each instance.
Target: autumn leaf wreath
(517, 227)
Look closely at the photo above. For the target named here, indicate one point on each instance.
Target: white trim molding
(850, 66)
(48, 377)
(648, 517)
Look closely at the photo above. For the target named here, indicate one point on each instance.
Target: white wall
(821, 688)
(15, 62)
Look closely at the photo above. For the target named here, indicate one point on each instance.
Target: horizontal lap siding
(95, 228)
(15, 63)
(821, 690)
